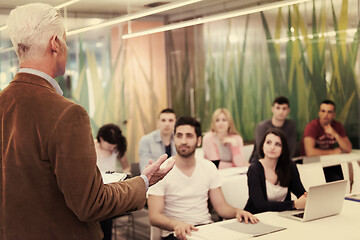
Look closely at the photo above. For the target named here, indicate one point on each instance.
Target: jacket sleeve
(238, 153)
(211, 151)
(257, 192)
(73, 160)
(144, 153)
(296, 186)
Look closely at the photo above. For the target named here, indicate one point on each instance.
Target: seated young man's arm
(225, 210)
(341, 138)
(144, 154)
(124, 164)
(158, 219)
(344, 143)
(310, 150)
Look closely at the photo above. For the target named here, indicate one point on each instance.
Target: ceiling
(119, 7)
(89, 12)
(106, 9)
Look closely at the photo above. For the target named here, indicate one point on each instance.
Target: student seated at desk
(110, 146)
(179, 202)
(223, 145)
(274, 177)
(325, 135)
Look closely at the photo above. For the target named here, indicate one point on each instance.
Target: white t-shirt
(186, 198)
(275, 192)
(108, 163)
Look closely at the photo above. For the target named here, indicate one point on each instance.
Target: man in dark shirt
(324, 135)
(280, 110)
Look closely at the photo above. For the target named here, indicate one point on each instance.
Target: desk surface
(227, 172)
(344, 226)
(334, 159)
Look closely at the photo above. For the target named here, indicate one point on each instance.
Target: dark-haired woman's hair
(282, 169)
(112, 134)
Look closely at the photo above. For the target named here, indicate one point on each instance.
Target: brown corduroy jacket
(50, 187)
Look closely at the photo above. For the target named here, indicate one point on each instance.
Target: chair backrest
(356, 177)
(235, 190)
(345, 169)
(351, 172)
(248, 149)
(311, 174)
(135, 169)
(155, 233)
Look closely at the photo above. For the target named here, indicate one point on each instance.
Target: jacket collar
(34, 80)
(45, 76)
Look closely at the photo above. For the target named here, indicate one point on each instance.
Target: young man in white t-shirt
(179, 202)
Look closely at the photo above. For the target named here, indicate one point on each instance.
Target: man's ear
(54, 44)
(199, 141)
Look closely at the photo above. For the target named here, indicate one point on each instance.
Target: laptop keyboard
(299, 215)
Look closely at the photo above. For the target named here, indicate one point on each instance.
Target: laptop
(306, 159)
(322, 201)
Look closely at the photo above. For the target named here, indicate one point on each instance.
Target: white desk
(349, 163)
(345, 226)
(335, 159)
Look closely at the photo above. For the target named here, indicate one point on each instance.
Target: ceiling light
(216, 17)
(67, 4)
(136, 15)
(58, 7)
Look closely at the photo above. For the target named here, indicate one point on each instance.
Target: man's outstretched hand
(154, 172)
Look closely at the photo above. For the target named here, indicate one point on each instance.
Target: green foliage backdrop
(246, 67)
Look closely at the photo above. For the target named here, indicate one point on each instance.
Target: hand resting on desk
(242, 215)
(300, 202)
(183, 229)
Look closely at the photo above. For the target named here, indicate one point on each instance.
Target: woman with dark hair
(274, 177)
(110, 147)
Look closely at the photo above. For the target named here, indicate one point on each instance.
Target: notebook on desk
(322, 201)
(233, 230)
(110, 177)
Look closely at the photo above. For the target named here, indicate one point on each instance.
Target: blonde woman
(223, 145)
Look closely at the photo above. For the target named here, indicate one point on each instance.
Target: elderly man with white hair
(50, 187)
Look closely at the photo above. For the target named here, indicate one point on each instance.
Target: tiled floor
(124, 232)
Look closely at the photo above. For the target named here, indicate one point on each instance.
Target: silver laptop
(322, 201)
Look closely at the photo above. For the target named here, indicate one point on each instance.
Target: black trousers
(169, 237)
(106, 227)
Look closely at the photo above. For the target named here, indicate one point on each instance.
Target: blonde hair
(232, 129)
(31, 27)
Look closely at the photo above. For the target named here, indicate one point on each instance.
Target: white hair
(31, 27)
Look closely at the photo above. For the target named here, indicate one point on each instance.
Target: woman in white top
(273, 178)
(110, 147)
